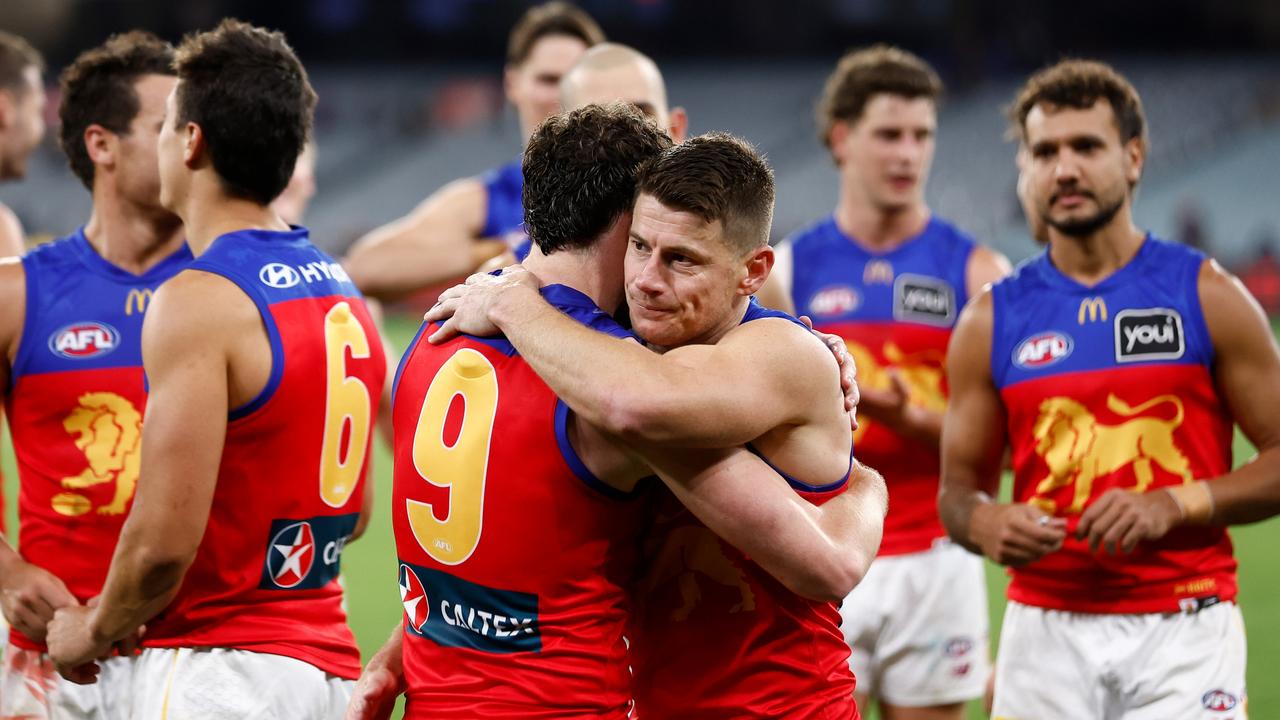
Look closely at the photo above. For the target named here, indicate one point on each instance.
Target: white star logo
(294, 554)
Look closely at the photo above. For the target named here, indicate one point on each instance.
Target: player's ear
(678, 125)
(8, 106)
(510, 74)
(836, 138)
(759, 263)
(194, 147)
(1135, 155)
(100, 144)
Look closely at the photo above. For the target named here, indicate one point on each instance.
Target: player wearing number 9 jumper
(264, 368)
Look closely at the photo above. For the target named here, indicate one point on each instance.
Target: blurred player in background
(607, 73)
(1113, 365)
(890, 277)
(264, 370)
(72, 333)
(471, 220)
(22, 103)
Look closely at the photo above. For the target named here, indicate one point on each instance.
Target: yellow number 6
(460, 467)
(346, 400)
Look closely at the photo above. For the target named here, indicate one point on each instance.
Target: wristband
(1194, 501)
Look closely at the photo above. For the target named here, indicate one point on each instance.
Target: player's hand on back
(29, 596)
(465, 308)
(1016, 534)
(1121, 518)
(848, 369)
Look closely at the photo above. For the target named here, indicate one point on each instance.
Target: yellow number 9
(461, 467)
(346, 400)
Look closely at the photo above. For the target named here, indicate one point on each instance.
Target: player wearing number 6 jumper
(1113, 366)
(264, 370)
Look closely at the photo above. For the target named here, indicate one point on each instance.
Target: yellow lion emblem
(108, 430)
(691, 555)
(921, 372)
(1078, 449)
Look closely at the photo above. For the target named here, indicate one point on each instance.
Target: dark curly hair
(98, 89)
(716, 177)
(580, 172)
(251, 98)
(1079, 84)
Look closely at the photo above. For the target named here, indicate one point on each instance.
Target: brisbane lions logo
(108, 430)
(920, 372)
(1078, 449)
(690, 556)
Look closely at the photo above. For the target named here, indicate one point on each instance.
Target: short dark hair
(716, 177)
(1079, 84)
(97, 89)
(580, 171)
(16, 55)
(250, 95)
(553, 18)
(862, 74)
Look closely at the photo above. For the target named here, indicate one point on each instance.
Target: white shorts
(917, 628)
(225, 684)
(31, 689)
(1056, 664)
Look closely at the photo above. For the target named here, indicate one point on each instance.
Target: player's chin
(664, 332)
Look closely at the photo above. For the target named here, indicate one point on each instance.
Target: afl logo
(291, 555)
(84, 340)
(1219, 700)
(414, 597)
(279, 276)
(834, 300)
(1042, 350)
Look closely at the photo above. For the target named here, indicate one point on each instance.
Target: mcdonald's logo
(878, 271)
(137, 301)
(1094, 307)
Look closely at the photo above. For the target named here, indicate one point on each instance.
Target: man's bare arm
(1248, 374)
(633, 393)
(184, 350)
(437, 242)
(972, 450)
(819, 552)
(12, 238)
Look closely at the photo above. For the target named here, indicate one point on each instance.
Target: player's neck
(209, 213)
(579, 270)
(1090, 259)
(131, 237)
(880, 229)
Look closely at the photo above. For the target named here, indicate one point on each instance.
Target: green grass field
(374, 603)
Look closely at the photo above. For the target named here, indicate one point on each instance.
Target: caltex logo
(83, 340)
(279, 275)
(292, 552)
(414, 597)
